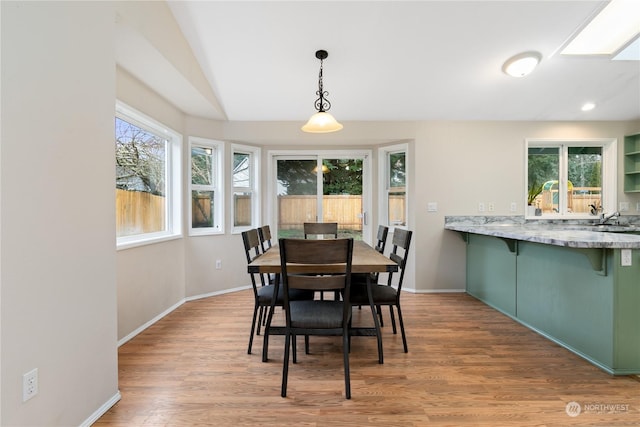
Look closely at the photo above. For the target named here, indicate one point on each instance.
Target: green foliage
(534, 190)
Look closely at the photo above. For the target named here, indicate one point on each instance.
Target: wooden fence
(138, 212)
(345, 210)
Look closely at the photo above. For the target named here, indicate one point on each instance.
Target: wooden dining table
(365, 260)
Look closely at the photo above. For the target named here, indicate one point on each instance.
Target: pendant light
(321, 122)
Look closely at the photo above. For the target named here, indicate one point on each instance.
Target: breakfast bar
(576, 284)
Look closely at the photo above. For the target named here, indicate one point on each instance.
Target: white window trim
(383, 183)
(254, 187)
(218, 188)
(609, 172)
(173, 224)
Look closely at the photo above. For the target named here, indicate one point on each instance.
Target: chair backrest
(327, 264)
(401, 240)
(252, 251)
(265, 237)
(383, 232)
(321, 228)
(251, 244)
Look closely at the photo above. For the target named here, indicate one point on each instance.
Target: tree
(140, 159)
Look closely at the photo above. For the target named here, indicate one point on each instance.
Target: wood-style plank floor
(468, 365)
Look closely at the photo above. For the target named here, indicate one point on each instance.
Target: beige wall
(57, 283)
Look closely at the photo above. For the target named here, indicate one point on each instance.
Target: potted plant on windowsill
(534, 192)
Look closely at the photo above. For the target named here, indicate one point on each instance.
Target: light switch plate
(432, 207)
(625, 257)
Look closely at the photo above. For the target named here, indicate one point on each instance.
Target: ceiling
(400, 60)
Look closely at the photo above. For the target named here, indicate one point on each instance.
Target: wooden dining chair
(316, 317)
(265, 237)
(361, 278)
(262, 290)
(386, 294)
(320, 229)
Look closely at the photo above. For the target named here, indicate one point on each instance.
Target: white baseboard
(101, 410)
(212, 294)
(435, 291)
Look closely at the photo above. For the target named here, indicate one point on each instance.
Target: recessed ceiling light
(588, 106)
(611, 29)
(521, 64)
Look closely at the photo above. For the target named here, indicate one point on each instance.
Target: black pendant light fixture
(322, 122)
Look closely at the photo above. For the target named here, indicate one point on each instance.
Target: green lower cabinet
(560, 295)
(583, 299)
(491, 272)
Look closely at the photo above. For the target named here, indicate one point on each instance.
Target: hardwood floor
(467, 365)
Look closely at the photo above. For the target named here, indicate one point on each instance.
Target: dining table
(365, 259)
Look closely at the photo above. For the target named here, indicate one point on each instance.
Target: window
(246, 201)
(147, 158)
(206, 207)
(570, 179)
(393, 170)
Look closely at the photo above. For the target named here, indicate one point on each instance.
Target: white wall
(58, 294)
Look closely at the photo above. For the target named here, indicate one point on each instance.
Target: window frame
(217, 187)
(609, 173)
(253, 188)
(384, 176)
(173, 171)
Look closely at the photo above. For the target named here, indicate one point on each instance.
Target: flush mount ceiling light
(588, 106)
(322, 122)
(521, 64)
(614, 27)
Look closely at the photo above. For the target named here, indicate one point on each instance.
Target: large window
(570, 178)
(147, 161)
(246, 197)
(206, 206)
(393, 171)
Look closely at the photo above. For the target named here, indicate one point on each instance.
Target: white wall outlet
(624, 206)
(480, 207)
(218, 264)
(491, 207)
(625, 258)
(513, 207)
(29, 384)
(432, 207)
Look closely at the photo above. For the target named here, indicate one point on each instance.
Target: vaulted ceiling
(395, 61)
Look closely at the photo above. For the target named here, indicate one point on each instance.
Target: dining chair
(386, 294)
(320, 229)
(361, 278)
(316, 317)
(265, 237)
(262, 290)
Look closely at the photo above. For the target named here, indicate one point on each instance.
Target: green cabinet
(632, 163)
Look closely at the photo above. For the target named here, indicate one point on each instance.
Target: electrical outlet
(625, 258)
(432, 207)
(29, 384)
(491, 207)
(218, 264)
(480, 207)
(624, 206)
(513, 207)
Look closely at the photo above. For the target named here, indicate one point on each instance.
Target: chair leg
(345, 352)
(393, 319)
(285, 366)
(404, 337)
(261, 319)
(379, 309)
(265, 345)
(306, 344)
(253, 328)
(294, 348)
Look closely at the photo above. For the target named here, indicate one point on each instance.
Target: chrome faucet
(604, 218)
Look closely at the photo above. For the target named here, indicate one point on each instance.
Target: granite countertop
(577, 235)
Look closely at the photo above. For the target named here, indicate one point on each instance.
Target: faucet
(604, 218)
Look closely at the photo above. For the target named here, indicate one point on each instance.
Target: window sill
(146, 241)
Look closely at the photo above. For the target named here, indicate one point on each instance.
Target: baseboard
(213, 294)
(150, 322)
(435, 291)
(101, 410)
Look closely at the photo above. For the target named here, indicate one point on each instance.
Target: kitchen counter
(576, 284)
